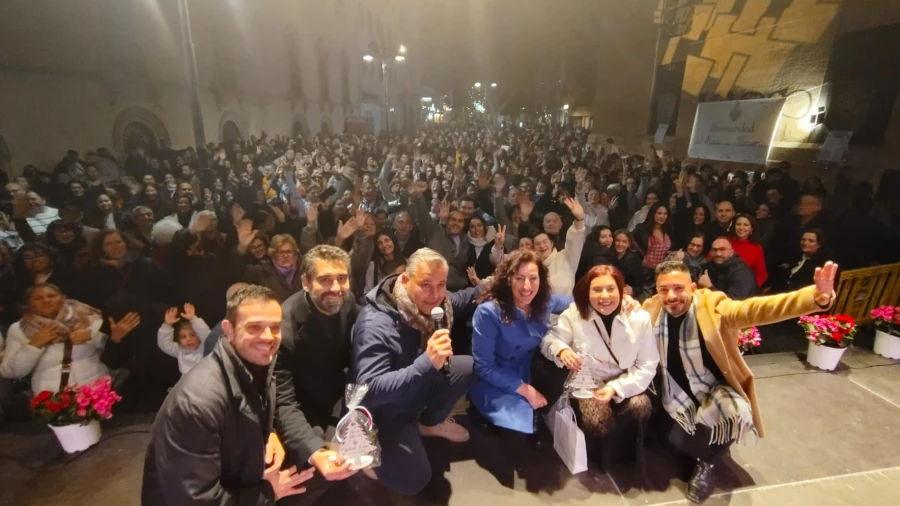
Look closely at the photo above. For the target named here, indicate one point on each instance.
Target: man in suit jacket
(449, 241)
(707, 388)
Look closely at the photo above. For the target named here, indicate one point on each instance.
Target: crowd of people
(319, 261)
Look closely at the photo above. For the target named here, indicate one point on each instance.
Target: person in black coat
(484, 255)
(597, 250)
(815, 254)
(728, 273)
(212, 442)
(629, 260)
(311, 369)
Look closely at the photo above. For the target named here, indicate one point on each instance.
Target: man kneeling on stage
(707, 388)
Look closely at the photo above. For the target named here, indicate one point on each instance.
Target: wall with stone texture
(732, 49)
(70, 70)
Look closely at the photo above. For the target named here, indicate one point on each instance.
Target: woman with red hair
(617, 345)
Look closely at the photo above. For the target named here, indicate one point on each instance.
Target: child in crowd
(183, 337)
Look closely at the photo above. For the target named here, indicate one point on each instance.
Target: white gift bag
(568, 439)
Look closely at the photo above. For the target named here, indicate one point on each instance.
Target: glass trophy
(582, 382)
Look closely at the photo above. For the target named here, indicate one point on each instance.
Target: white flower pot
(887, 345)
(76, 437)
(824, 357)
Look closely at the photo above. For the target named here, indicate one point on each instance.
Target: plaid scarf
(73, 315)
(721, 408)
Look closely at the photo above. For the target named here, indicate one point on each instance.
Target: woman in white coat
(619, 347)
(36, 343)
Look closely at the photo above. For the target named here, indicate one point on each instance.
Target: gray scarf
(411, 316)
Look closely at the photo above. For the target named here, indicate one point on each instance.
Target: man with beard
(708, 393)
(450, 241)
(728, 273)
(311, 369)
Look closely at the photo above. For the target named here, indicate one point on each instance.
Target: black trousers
(696, 445)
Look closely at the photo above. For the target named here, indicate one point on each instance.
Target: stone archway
(137, 127)
(230, 132)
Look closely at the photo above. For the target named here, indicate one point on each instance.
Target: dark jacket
(633, 271)
(805, 275)
(594, 254)
(207, 445)
(310, 374)
(388, 355)
(265, 274)
(733, 277)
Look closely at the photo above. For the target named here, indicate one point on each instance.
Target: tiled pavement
(832, 440)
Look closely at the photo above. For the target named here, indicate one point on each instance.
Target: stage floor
(832, 440)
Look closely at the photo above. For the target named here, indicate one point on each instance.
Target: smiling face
(606, 238)
(743, 228)
(543, 245)
(256, 332)
(724, 213)
(104, 204)
(552, 223)
(604, 294)
(327, 285)
(660, 216)
(721, 251)
(456, 223)
(809, 244)
(385, 245)
(622, 243)
(114, 247)
(699, 216)
(427, 287)
(675, 291)
(476, 228)
(651, 199)
(695, 247)
(76, 188)
(525, 284)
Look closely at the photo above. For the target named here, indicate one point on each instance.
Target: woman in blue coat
(508, 328)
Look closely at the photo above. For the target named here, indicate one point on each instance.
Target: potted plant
(74, 413)
(749, 339)
(829, 336)
(887, 331)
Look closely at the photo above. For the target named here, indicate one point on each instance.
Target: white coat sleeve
(560, 336)
(20, 358)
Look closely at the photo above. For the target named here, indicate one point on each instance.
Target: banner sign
(835, 146)
(735, 131)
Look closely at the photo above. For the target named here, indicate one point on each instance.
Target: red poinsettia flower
(837, 336)
(845, 319)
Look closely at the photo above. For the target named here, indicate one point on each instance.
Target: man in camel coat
(707, 388)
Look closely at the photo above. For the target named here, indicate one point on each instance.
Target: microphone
(437, 316)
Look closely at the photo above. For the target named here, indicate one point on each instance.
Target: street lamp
(493, 85)
(376, 51)
(566, 107)
(478, 85)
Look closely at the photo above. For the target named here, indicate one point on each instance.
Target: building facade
(106, 73)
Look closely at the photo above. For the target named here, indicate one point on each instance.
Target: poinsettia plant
(887, 319)
(748, 339)
(835, 331)
(76, 404)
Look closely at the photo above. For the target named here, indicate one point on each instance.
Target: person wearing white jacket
(619, 345)
(36, 343)
(183, 338)
(562, 265)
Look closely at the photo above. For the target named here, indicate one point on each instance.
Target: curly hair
(500, 289)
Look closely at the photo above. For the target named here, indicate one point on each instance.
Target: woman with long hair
(699, 223)
(104, 214)
(745, 246)
(386, 259)
(485, 252)
(629, 260)
(655, 235)
(815, 254)
(617, 346)
(507, 329)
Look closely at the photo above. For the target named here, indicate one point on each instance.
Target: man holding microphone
(399, 351)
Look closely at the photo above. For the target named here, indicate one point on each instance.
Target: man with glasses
(212, 441)
(707, 390)
(728, 273)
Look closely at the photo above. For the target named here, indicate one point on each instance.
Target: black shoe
(701, 485)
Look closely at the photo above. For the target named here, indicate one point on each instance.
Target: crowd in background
(119, 242)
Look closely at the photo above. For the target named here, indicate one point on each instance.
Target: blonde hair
(279, 241)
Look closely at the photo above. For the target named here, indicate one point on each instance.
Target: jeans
(404, 464)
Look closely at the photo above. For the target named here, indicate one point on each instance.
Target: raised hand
(237, 214)
(189, 312)
(119, 329)
(500, 238)
(526, 207)
(444, 213)
(576, 208)
(824, 281)
(171, 317)
(279, 214)
(484, 180)
(473, 278)
(614, 202)
(704, 281)
(347, 228)
(245, 234)
(312, 213)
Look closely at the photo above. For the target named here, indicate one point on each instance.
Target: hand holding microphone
(439, 346)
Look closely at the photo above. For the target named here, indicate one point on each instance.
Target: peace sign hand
(500, 237)
(824, 281)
